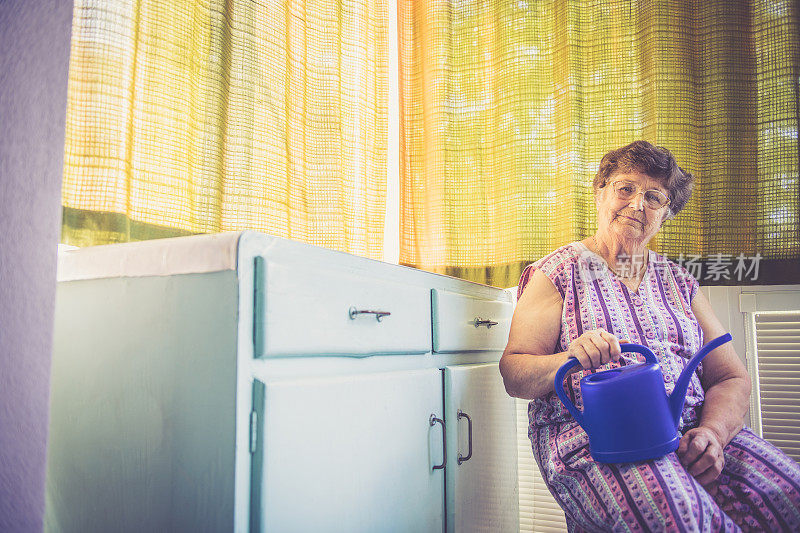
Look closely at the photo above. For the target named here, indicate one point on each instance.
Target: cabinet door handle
(462, 414)
(484, 322)
(353, 313)
(433, 422)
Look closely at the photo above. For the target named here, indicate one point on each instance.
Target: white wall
(34, 59)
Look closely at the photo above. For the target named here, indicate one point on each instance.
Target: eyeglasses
(627, 190)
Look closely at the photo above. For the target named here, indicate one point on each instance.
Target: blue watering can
(626, 411)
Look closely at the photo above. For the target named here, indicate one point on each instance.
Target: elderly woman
(585, 298)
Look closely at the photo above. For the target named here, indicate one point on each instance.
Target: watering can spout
(678, 396)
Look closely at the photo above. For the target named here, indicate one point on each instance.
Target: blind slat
(782, 394)
(787, 425)
(779, 382)
(782, 411)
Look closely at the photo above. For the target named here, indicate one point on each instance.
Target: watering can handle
(572, 362)
(648, 354)
(562, 395)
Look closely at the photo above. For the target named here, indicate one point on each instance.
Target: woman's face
(630, 220)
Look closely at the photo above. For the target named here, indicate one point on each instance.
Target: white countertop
(160, 257)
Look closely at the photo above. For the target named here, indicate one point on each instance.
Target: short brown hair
(654, 161)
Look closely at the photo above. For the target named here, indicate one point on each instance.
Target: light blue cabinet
(242, 382)
(482, 492)
(143, 405)
(351, 453)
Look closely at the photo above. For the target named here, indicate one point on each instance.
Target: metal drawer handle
(481, 322)
(433, 420)
(461, 458)
(353, 312)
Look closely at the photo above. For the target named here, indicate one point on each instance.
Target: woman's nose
(637, 202)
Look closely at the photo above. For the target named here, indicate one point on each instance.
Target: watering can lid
(619, 374)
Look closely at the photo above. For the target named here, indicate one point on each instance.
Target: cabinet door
(482, 491)
(353, 453)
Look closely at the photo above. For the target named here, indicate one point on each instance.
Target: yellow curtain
(201, 116)
(508, 106)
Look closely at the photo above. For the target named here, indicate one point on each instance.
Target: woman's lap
(654, 495)
(758, 490)
(759, 486)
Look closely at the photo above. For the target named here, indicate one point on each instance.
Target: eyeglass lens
(626, 190)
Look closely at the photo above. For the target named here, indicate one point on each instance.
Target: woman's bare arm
(528, 365)
(725, 378)
(727, 392)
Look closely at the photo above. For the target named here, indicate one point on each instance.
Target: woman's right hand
(595, 348)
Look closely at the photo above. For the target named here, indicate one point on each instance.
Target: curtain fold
(206, 116)
(507, 108)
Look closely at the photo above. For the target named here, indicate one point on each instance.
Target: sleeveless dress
(759, 487)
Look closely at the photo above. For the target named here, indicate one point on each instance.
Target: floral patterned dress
(759, 488)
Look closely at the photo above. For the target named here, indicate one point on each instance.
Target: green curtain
(508, 106)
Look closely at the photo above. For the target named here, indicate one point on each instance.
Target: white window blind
(538, 510)
(775, 353)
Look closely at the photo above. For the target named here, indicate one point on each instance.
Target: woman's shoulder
(569, 253)
(553, 265)
(662, 262)
(670, 269)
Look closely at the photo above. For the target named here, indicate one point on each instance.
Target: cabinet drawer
(463, 323)
(320, 311)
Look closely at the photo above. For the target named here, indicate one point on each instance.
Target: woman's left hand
(700, 452)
